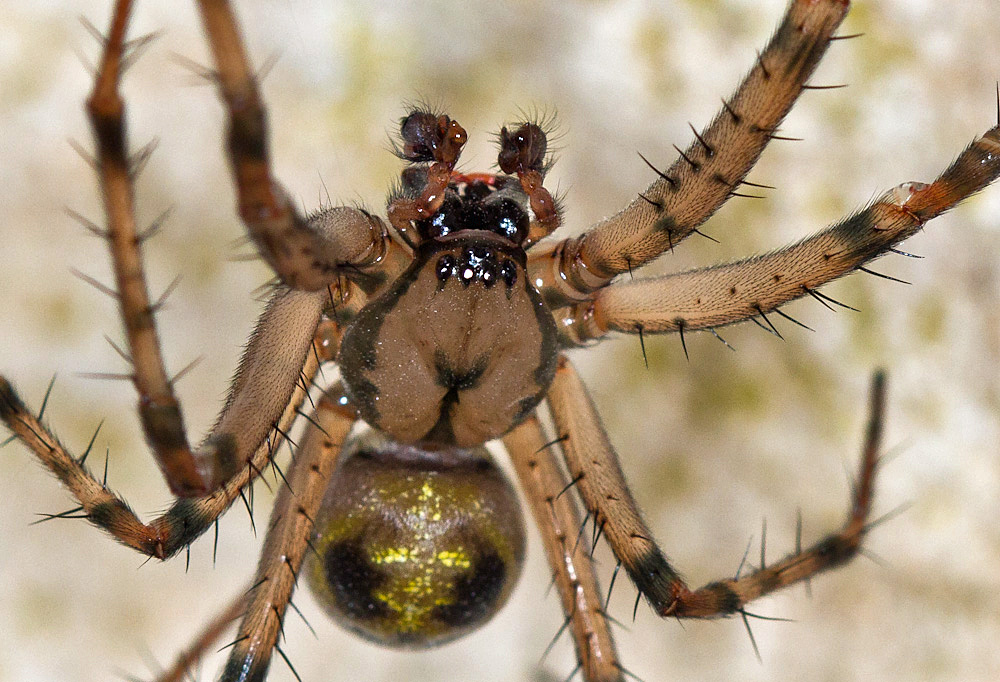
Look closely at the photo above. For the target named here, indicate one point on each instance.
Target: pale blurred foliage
(711, 445)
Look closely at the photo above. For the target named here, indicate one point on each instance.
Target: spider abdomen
(459, 350)
(416, 547)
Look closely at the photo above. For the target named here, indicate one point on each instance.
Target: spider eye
(415, 548)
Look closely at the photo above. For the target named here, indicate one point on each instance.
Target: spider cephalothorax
(460, 348)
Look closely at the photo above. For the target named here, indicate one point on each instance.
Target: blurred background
(711, 446)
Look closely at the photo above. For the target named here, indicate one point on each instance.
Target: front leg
(711, 169)
(188, 472)
(306, 253)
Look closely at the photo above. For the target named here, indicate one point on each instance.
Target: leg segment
(288, 538)
(306, 254)
(187, 472)
(726, 597)
(558, 519)
(711, 169)
(187, 518)
(594, 467)
(268, 371)
(724, 294)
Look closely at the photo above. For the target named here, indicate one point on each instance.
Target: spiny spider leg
(732, 292)
(187, 518)
(188, 473)
(273, 359)
(263, 399)
(596, 471)
(288, 538)
(558, 519)
(726, 597)
(708, 172)
(305, 253)
(593, 465)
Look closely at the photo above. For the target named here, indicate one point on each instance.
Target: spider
(688, 340)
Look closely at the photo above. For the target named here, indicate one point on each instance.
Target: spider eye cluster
(477, 263)
(415, 547)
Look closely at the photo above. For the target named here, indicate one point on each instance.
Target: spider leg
(269, 370)
(730, 596)
(189, 473)
(289, 538)
(187, 518)
(558, 519)
(273, 357)
(305, 253)
(594, 465)
(733, 292)
(708, 172)
(263, 399)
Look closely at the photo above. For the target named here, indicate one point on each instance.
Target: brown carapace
(451, 324)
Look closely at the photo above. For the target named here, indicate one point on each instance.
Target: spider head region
(416, 546)
(441, 201)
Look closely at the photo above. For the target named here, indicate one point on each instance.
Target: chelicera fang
(449, 329)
